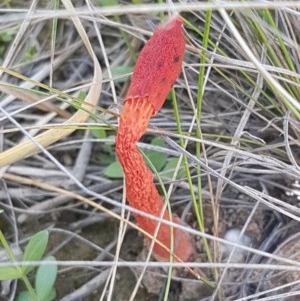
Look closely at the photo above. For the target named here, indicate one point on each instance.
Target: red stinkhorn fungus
(157, 68)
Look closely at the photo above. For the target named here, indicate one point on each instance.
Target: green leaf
(119, 73)
(105, 159)
(158, 159)
(51, 296)
(35, 249)
(9, 273)
(112, 138)
(98, 133)
(45, 278)
(107, 2)
(30, 53)
(7, 36)
(169, 169)
(82, 95)
(2, 49)
(24, 296)
(114, 170)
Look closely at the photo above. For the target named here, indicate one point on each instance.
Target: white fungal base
(234, 253)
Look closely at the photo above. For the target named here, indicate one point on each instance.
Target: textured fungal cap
(159, 64)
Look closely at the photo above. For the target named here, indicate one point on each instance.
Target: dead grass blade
(51, 136)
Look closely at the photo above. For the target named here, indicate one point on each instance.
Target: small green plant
(158, 160)
(5, 38)
(119, 73)
(45, 276)
(30, 53)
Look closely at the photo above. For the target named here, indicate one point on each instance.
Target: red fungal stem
(157, 68)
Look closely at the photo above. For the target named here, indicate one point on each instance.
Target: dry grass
(237, 132)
